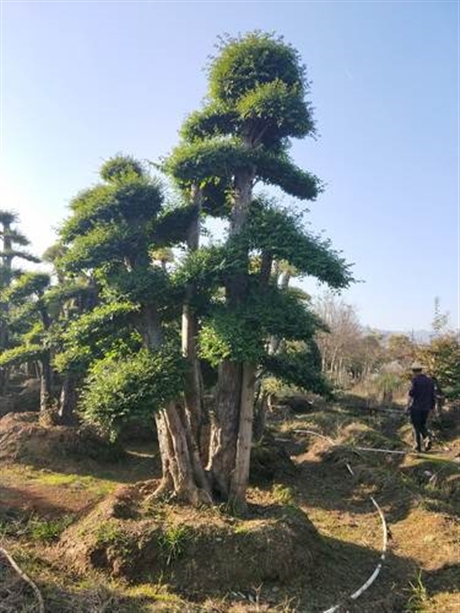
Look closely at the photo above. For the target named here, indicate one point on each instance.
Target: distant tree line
(354, 356)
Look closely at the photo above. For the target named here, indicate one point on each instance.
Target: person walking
(422, 400)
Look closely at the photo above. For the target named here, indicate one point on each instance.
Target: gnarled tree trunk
(226, 448)
(224, 427)
(182, 471)
(180, 477)
(240, 474)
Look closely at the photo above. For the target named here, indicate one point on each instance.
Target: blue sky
(84, 80)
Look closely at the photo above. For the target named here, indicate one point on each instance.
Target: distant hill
(419, 336)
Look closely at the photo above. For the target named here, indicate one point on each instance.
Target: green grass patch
(33, 528)
(110, 534)
(74, 481)
(418, 599)
(283, 494)
(47, 531)
(172, 542)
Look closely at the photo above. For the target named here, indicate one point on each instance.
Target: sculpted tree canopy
(12, 243)
(256, 103)
(184, 305)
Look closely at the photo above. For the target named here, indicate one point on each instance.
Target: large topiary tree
(255, 105)
(222, 298)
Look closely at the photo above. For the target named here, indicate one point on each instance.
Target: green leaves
(28, 284)
(442, 359)
(104, 330)
(104, 242)
(239, 333)
(172, 225)
(223, 158)
(281, 233)
(121, 168)
(135, 387)
(20, 355)
(133, 200)
(213, 120)
(249, 61)
(200, 161)
(299, 368)
(278, 109)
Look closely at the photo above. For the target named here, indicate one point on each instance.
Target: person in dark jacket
(422, 400)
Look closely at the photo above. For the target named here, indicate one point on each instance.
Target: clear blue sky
(84, 80)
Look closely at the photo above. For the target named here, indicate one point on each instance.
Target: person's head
(417, 368)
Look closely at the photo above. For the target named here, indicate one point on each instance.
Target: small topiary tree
(29, 297)
(115, 231)
(12, 242)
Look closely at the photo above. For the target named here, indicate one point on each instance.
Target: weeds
(283, 494)
(419, 598)
(110, 534)
(35, 528)
(46, 531)
(172, 542)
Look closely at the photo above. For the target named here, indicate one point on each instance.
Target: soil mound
(21, 397)
(193, 549)
(23, 438)
(269, 461)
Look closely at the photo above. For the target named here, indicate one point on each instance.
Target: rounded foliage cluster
(119, 167)
(252, 60)
(134, 387)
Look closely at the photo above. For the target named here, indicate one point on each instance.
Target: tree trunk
(194, 391)
(260, 416)
(179, 475)
(150, 328)
(224, 427)
(226, 419)
(46, 396)
(240, 475)
(68, 399)
(182, 472)
(3, 381)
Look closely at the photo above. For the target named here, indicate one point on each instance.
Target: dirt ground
(41, 507)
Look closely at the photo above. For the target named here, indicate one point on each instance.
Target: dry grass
(419, 496)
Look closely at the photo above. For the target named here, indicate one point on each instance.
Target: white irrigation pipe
(379, 566)
(377, 450)
(326, 438)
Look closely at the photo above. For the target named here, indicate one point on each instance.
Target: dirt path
(49, 493)
(423, 562)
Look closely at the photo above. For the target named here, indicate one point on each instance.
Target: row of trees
(148, 319)
(355, 356)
